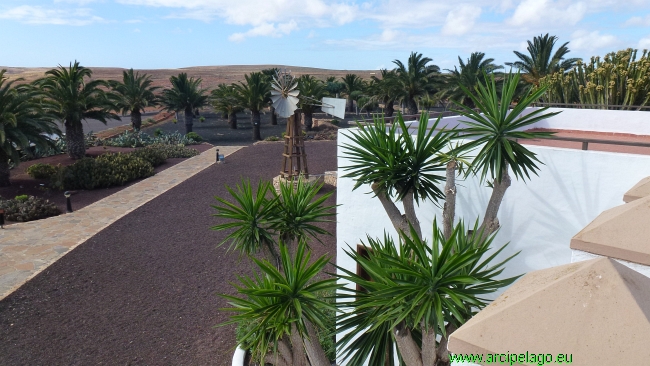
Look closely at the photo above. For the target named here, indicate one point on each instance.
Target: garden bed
(23, 184)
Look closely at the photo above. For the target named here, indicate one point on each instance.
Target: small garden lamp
(219, 157)
(67, 201)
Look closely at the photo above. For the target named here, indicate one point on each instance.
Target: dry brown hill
(211, 75)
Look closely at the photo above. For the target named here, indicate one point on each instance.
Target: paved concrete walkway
(28, 248)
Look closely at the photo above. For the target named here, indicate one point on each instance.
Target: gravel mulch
(144, 290)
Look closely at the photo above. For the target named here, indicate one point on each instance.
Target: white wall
(595, 120)
(537, 217)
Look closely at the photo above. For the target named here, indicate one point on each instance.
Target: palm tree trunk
(429, 347)
(274, 117)
(309, 120)
(411, 353)
(74, 138)
(136, 119)
(255, 119)
(232, 120)
(449, 210)
(189, 119)
(298, 348)
(490, 221)
(389, 108)
(350, 105)
(412, 106)
(409, 212)
(315, 353)
(443, 352)
(4, 170)
(398, 220)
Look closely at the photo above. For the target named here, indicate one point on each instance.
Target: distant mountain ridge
(211, 75)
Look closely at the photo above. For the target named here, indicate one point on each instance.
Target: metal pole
(67, 201)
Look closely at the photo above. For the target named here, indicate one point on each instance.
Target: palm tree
(22, 122)
(352, 86)
(541, 60)
(497, 129)
(385, 90)
(185, 95)
(270, 73)
(289, 216)
(224, 99)
(312, 91)
(398, 165)
(468, 76)
(284, 307)
(414, 287)
(254, 94)
(333, 87)
(133, 94)
(416, 79)
(72, 100)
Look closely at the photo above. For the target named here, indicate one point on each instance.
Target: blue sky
(317, 33)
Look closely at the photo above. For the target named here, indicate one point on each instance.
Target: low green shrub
(141, 139)
(272, 138)
(41, 171)
(201, 119)
(151, 154)
(194, 136)
(29, 209)
(21, 198)
(122, 168)
(335, 122)
(158, 132)
(175, 151)
(105, 171)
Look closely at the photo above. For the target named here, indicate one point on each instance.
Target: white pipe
(239, 357)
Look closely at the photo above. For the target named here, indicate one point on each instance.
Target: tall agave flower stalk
(618, 79)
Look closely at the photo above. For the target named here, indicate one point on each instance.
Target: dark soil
(22, 183)
(144, 290)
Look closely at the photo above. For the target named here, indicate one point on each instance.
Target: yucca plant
(284, 307)
(496, 129)
(250, 215)
(298, 210)
(262, 218)
(416, 291)
(398, 165)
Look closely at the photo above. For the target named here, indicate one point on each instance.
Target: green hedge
(105, 171)
(28, 209)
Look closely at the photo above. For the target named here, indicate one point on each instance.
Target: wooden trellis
(294, 158)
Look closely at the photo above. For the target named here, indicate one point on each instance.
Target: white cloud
(40, 15)
(137, 30)
(592, 41)
(461, 20)
(546, 12)
(133, 21)
(638, 21)
(267, 29)
(644, 43)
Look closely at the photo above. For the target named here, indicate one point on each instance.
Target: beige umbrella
(621, 232)
(597, 312)
(640, 190)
